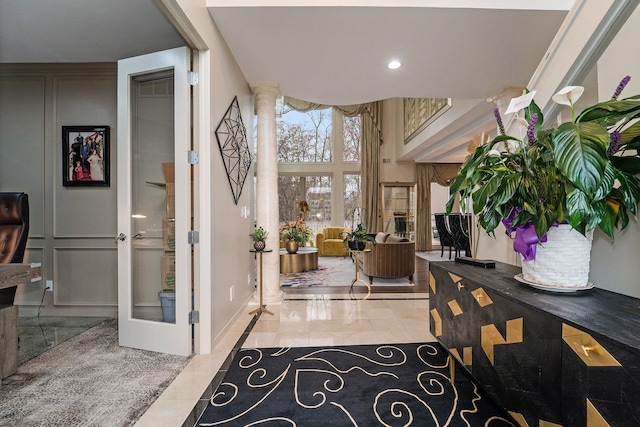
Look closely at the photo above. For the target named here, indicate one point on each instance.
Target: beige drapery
(426, 173)
(370, 129)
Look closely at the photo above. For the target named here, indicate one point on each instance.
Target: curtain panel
(370, 129)
(441, 173)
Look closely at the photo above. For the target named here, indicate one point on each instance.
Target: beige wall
(614, 264)
(71, 228)
(225, 260)
(392, 133)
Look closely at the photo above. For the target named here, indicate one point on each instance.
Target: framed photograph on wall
(85, 156)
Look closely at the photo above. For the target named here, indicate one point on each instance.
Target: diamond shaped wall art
(232, 140)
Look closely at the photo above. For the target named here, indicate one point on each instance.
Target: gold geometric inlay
(455, 307)
(455, 278)
(437, 320)
(490, 336)
(481, 297)
(514, 330)
(588, 349)
(466, 356)
(432, 283)
(548, 424)
(594, 418)
(519, 419)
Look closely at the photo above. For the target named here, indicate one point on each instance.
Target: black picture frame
(85, 156)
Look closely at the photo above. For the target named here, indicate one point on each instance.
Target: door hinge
(193, 237)
(192, 77)
(194, 317)
(193, 157)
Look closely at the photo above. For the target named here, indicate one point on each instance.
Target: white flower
(513, 146)
(520, 102)
(568, 95)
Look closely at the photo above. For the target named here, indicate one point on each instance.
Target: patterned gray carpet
(88, 380)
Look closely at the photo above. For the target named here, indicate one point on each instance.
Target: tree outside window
(305, 137)
(318, 155)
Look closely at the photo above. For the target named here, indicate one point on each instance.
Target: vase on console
(291, 246)
(295, 234)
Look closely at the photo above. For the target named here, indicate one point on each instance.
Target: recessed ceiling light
(394, 65)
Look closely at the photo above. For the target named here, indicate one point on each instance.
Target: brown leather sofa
(390, 258)
(329, 241)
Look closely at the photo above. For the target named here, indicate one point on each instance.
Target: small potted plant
(357, 239)
(259, 236)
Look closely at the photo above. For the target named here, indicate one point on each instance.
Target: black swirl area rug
(365, 385)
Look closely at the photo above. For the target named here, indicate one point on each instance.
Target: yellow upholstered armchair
(329, 241)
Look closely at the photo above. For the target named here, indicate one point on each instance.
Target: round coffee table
(304, 260)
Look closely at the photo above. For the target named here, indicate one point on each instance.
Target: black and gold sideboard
(549, 359)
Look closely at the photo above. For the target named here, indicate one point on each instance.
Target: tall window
(319, 162)
(305, 137)
(352, 200)
(315, 190)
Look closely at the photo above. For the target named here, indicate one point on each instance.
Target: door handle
(121, 237)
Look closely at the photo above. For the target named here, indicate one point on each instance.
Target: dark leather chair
(446, 238)
(460, 231)
(14, 230)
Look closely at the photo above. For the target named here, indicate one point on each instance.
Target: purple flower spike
(531, 130)
(496, 114)
(615, 142)
(620, 87)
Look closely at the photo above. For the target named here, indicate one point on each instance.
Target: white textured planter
(562, 261)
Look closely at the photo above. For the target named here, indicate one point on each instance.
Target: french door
(154, 213)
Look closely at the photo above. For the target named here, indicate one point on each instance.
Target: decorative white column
(267, 205)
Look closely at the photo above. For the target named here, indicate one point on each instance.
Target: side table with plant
(357, 239)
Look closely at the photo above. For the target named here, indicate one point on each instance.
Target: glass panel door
(154, 268)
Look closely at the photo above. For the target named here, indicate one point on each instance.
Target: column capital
(265, 88)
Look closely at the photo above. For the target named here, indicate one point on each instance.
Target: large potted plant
(357, 239)
(566, 180)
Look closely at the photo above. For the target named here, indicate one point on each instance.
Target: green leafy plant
(358, 235)
(583, 172)
(259, 234)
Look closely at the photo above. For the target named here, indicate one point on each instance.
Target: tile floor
(300, 320)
